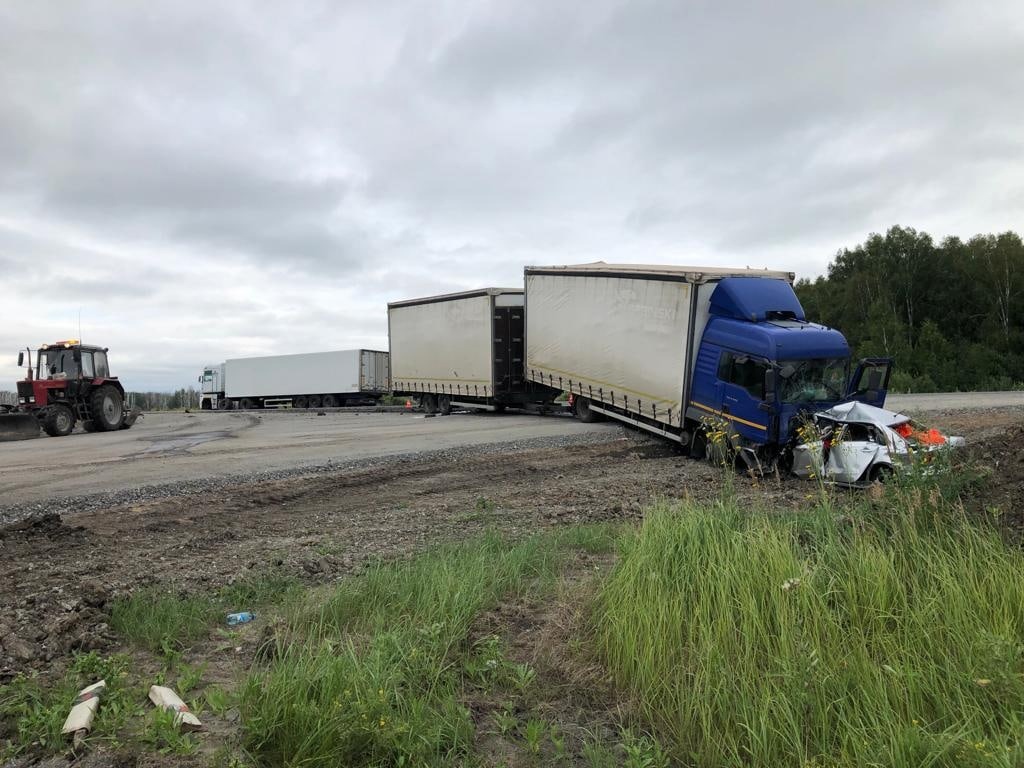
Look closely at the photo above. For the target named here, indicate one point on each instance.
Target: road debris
(79, 720)
(167, 699)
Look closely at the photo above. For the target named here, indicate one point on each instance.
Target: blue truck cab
(761, 365)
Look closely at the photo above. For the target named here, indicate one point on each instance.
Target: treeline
(166, 401)
(951, 314)
(147, 401)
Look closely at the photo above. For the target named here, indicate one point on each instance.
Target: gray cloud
(204, 181)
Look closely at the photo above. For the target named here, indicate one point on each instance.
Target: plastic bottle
(240, 618)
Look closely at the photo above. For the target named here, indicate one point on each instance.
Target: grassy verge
(372, 672)
(166, 622)
(892, 637)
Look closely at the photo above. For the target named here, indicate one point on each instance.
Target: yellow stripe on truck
(729, 416)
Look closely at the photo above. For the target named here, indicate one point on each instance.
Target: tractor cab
(64, 360)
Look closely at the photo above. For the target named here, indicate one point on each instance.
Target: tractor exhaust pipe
(18, 426)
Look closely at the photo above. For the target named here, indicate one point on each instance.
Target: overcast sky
(202, 180)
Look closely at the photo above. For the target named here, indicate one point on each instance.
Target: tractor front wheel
(107, 408)
(59, 421)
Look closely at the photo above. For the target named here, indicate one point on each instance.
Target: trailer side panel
(615, 339)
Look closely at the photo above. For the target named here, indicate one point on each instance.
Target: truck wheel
(699, 445)
(59, 421)
(300, 402)
(88, 426)
(444, 405)
(107, 408)
(330, 401)
(581, 407)
(429, 404)
(315, 401)
(223, 404)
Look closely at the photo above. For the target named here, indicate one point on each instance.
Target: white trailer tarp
(313, 373)
(617, 337)
(442, 345)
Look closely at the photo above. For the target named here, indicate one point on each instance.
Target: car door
(852, 453)
(870, 381)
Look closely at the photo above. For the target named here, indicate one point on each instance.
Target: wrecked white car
(853, 443)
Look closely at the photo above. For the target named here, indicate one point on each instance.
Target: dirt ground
(58, 576)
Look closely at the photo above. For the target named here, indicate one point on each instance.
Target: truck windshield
(813, 381)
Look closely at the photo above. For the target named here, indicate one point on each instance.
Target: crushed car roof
(861, 413)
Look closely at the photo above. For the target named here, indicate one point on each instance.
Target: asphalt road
(172, 447)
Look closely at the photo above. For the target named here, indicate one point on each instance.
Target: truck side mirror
(769, 385)
(21, 359)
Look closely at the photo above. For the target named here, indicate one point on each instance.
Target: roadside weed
(743, 634)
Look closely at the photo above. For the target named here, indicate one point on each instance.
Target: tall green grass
(370, 674)
(892, 639)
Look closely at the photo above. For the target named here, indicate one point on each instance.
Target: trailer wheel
(300, 402)
(314, 401)
(107, 408)
(429, 404)
(59, 421)
(330, 401)
(444, 405)
(581, 408)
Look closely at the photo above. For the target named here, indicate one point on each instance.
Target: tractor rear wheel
(107, 408)
(59, 421)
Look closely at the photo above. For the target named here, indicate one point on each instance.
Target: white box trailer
(310, 380)
(462, 349)
(622, 336)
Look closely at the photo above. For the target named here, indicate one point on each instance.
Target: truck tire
(300, 402)
(59, 421)
(581, 408)
(429, 404)
(107, 407)
(444, 404)
(224, 404)
(88, 426)
(330, 401)
(315, 401)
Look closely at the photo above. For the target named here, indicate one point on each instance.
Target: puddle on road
(183, 443)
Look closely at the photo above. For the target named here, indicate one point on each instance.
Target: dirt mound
(1000, 461)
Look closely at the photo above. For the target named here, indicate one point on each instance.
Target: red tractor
(71, 382)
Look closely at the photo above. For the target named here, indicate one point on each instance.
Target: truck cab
(761, 366)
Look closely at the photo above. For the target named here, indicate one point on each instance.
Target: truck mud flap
(18, 426)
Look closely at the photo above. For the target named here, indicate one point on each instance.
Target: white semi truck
(310, 380)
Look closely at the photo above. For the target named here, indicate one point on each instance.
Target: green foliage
(952, 314)
(35, 713)
(371, 673)
(892, 636)
(167, 622)
(161, 621)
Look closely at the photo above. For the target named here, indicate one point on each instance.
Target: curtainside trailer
(463, 350)
(687, 352)
(311, 380)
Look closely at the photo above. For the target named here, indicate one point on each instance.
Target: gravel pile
(68, 506)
